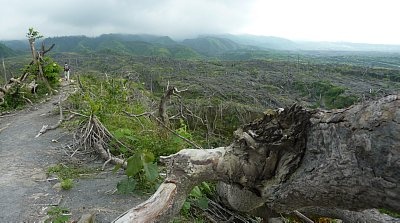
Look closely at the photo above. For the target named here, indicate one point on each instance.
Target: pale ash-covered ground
(26, 190)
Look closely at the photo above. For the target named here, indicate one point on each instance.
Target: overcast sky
(367, 21)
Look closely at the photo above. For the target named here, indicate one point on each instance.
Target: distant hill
(17, 45)
(211, 46)
(277, 43)
(6, 51)
(139, 45)
(263, 42)
(226, 46)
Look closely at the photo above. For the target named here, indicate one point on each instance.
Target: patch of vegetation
(67, 184)
(389, 212)
(140, 140)
(67, 173)
(325, 94)
(44, 75)
(58, 215)
(196, 202)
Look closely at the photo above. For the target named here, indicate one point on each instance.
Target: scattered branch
(302, 216)
(94, 135)
(175, 133)
(165, 126)
(162, 108)
(46, 128)
(5, 127)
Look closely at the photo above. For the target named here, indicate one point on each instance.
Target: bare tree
(32, 36)
(37, 58)
(5, 71)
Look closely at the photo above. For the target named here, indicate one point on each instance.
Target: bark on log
(328, 163)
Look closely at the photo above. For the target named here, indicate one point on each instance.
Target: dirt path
(25, 190)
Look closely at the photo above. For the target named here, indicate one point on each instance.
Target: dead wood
(46, 128)
(93, 135)
(37, 59)
(162, 108)
(325, 163)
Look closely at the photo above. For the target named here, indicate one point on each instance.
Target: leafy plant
(58, 215)
(141, 140)
(141, 167)
(65, 172)
(326, 94)
(127, 186)
(389, 212)
(198, 197)
(51, 71)
(67, 184)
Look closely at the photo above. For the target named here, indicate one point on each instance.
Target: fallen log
(325, 163)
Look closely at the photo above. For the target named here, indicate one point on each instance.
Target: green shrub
(51, 71)
(67, 172)
(67, 184)
(57, 215)
(325, 94)
(140, 140)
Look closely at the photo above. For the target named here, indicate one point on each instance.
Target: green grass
(390, 213)
(65, 172)
(57, 215)
(67, 184)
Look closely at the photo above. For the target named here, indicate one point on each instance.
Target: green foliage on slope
(139, 140)
(6, 51)
(211, 46)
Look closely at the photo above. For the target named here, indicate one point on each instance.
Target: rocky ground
(27, 191)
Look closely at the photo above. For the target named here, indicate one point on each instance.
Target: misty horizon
(309, 20)
(221, 35)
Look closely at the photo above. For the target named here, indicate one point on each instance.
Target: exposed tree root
(93, 135)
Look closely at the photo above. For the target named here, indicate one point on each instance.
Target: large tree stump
(327, 163)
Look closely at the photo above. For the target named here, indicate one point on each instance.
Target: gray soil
(27, 192)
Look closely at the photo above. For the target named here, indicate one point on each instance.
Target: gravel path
(27, 193)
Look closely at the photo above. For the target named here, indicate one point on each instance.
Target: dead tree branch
(162, 108)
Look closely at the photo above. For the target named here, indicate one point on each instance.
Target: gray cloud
(341, 20)
(177, 18)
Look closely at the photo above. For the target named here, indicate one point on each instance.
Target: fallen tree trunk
(325, 163)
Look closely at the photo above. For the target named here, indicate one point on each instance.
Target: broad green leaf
(206, 188)
(134, 165)
(151, 171)
(117, 167)
(202, 202)
(123, 149)
(196, 192)
(126, 186)
(186, 207)
(147, 157)
(117, 134)
(131, 138)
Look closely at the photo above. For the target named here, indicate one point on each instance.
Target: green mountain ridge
(224, 46)
(6, 51)
(211, 46)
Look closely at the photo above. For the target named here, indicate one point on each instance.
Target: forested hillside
(224, 47)
(6, 51)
